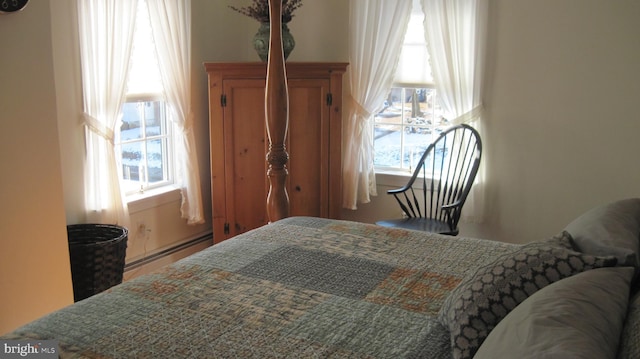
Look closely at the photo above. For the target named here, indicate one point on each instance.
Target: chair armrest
(398, 190)
(448, 207)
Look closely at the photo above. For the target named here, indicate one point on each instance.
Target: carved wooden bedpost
(277, 118)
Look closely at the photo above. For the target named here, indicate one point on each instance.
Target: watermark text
(32, 349)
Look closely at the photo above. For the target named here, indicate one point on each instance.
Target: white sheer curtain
(456, 35)
(106, 35)
(377, 29)
(171, 28)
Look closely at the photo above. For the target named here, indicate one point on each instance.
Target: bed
(303, 287)
(296, 288)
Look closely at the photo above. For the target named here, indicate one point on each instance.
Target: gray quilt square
(364, 327)
(324, 272)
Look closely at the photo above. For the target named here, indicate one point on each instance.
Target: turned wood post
(277, 118)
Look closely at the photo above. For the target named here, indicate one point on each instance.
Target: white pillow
(611, 229)
(577, 317)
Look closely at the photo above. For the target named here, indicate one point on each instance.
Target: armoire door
(244, 154)
(246, 147)
(307, 140)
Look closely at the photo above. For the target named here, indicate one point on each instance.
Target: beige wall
(562, 124)
(34, 261)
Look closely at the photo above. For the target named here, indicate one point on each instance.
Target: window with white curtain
(411, 117)
(136, 105)
(144, 136)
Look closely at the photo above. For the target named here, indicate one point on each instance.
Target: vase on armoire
(261, 41)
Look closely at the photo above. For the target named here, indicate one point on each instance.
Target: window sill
(153, 198)
(392, 178)
(397, 179)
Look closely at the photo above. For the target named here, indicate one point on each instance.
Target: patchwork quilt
(298, 288)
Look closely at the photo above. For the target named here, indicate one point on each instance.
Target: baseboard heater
(168, 251)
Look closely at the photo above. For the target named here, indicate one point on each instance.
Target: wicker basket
(97, 253)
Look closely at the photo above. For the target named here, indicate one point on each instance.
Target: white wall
(563, 111)
(562, 124)
(34, 262)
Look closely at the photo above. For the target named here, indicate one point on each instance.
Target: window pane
(131, 160)
(440, 152)
(131, 122)
(388, 131)
(153, 115)
(155, 160)
(415, 146)
(387, 145)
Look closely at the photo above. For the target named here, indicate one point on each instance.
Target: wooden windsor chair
(433, 198)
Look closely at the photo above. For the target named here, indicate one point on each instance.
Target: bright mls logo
(40, 349)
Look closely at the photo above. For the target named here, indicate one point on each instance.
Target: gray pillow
(630, 341)
(577, 317)
(611, 229)
(482, 299)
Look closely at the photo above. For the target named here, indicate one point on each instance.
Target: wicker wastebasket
(97, 253)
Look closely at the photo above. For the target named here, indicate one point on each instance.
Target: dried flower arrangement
(259, 10)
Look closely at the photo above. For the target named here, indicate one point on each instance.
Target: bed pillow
(629, 347)
(577, 317)
(611, 229)
(483, 298)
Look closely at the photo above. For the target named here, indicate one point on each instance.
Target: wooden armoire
(239, 143)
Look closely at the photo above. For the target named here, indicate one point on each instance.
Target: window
(411, 117)
(144, 137)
